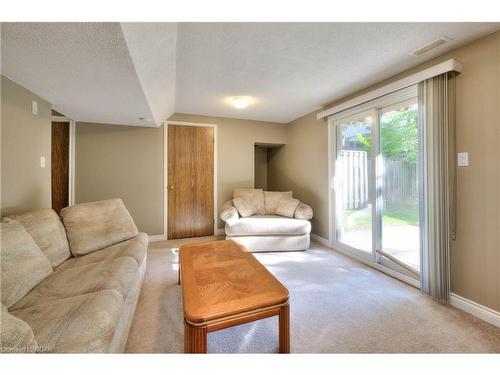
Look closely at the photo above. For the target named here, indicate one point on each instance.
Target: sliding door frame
(370, 259)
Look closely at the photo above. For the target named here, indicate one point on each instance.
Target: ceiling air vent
(438, 42)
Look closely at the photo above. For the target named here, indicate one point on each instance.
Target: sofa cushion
(268, 225)
(135, 248)
(244, 206)
(79, 324)
(256, 196)
(96, 225)
(46, 228)
(303, 212)
(15, 334)
(287, 207)
(272, 198)
(116, 274)
(23, 265)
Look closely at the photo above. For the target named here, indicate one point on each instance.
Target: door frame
(368, 259)
(71, 156)
(165, 169)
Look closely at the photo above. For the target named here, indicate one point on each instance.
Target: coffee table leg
(195, 339)
(284, 328)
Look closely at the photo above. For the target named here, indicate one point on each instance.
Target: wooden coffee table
(224, 285)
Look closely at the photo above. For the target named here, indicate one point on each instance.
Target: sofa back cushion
(15, 334)
(254, 197)
(272, 199)
(46, 228)
(23, 264)
(96, 225)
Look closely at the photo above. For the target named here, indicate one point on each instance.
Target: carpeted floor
(337, 306)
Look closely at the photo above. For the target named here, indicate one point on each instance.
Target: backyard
(400, 231)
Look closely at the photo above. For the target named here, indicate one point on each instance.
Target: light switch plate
(42, 161)
(463, 159)
(34, 107)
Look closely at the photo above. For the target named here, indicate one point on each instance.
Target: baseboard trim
(474, 308)
(157, 237)
(321, 240)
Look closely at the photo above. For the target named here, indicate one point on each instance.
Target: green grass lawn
(403, 214)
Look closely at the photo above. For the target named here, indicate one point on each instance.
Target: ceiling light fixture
(240, 102)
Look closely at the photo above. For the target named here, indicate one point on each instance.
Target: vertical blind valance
(451, 65)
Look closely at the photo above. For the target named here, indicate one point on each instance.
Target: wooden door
(190, 181)
(60, 165)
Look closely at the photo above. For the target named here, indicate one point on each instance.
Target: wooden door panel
(190, 181)
(60, 165)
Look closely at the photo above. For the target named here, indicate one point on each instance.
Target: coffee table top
(221, 279)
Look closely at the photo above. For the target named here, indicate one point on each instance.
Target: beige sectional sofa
(70, 285)
(267, 220)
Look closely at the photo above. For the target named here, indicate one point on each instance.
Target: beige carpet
(337, 306)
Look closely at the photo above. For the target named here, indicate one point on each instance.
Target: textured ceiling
(115, 73)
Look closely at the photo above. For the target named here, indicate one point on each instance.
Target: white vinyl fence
(399, 179)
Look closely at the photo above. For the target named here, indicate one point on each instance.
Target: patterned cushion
(23, 264)
(228, 213)
(272, 198)
(46, 228)
(79, 324)
(96, 225)
(287, 207)
(118, 274)
(15, 334)
(304, 212)
(256, 196)
(244, 206)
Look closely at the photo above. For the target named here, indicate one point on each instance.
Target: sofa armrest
(228, 213)
(303, 212)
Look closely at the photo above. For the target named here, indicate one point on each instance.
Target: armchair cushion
(268, 225)
(272, 198)
(287, 207)
(245, 206)
(229, 214)
(255, 196)
(304, 212)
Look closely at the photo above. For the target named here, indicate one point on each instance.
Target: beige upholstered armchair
(267, 220)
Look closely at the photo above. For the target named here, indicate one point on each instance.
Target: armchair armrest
(228, 213)
(304, 212)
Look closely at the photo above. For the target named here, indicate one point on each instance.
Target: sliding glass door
(376, 185)
(353, 166)
(399, 184)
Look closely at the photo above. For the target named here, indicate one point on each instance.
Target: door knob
(171, 187)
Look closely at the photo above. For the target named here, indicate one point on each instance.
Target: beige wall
(125, 162)
(302, 166)
(25, 138)
(235, 149)
(260, 168)
(475, 256)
